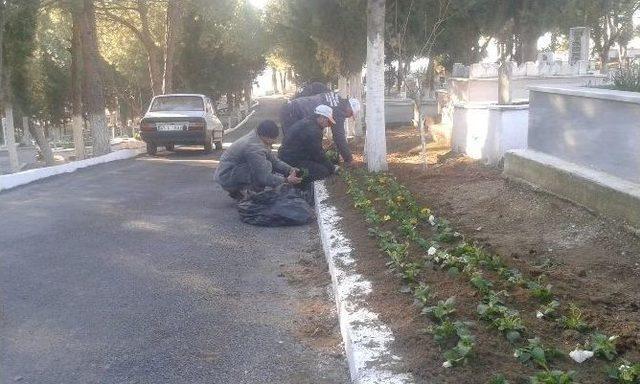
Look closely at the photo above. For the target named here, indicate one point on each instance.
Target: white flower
(432, 220)
(447, 364)
(579, 355)
(612, 338)
(624, 367)
(539, 315)
(431, 251)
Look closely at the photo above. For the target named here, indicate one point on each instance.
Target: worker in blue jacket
(343, 108)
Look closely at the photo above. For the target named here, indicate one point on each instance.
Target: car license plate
(170, 127)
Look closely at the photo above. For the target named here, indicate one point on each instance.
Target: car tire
(169, 146)
(152, 149)
(208, 144)
(218, 144)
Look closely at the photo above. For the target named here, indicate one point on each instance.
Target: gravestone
(579, 44)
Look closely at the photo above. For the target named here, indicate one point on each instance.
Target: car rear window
(177, 103)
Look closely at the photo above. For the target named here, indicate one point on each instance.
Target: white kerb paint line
(21, 178)
(240, 124)
(367, 339)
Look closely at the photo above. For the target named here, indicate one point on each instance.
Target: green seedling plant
(460, 354)
(480, 283)
(493, 307)
(410, 273)
(553, 377)
(535, 353)
(604, 346)
(498, 379)
(549, 310)
(511, 325)
(625, 372)
(422, 294)
(540, 291)
(511, 276)
(442, 310)
(492, 262)
(447, 330)
(574, 319)
(332, 156)
(443, 332)
(303, 173)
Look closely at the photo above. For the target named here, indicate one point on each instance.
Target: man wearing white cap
(302, 147)
(342, 109)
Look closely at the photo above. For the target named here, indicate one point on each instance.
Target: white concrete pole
(376, 143)
(10, 138)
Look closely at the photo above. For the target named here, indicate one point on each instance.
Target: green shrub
(627, 79)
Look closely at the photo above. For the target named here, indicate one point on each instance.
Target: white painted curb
(240, 124)
(21, 178)
(366, 338)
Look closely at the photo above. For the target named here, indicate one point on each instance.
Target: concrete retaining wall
(598, 191)
(487, 132)
(594, 128)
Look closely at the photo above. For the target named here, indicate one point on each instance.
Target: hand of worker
(293, 179)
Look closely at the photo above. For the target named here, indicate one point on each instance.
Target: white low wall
(485, 90)
(487, 131)
(401, 111)
(21, 178)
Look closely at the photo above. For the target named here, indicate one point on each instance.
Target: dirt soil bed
(591, 261)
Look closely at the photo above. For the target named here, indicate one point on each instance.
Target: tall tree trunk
(26, 133)
(604, 58)
(174, 11)
(37, 131)
(93, 83)
(376, 143)
(356, 82)
(274, 80)
(421, 117)
(10, 137)
(154, 55)
(283, 82)
(77, 122)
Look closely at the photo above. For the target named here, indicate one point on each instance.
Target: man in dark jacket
(249, 163)
(298, 109)
(302, 147)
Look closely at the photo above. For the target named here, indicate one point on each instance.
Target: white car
(186, 119)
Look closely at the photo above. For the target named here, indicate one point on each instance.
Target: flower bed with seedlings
(486, 321)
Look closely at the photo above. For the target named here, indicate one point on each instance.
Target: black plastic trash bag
(284, 206)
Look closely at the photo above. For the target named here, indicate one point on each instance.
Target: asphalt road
(139, 271)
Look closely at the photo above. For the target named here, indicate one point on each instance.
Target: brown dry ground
(318, 327)
(591, 261)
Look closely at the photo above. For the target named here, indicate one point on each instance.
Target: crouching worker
(302, 147)
(249, 164)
